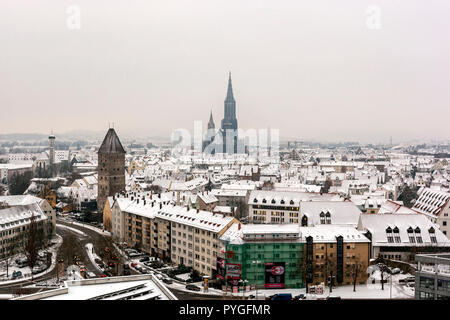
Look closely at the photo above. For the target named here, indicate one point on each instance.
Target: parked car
(133, 264)
(17, 274)
(282, 296)
(395, 271)
(167, 280)
(333, 298)
(300, 297)
(192, 287)
(126, 267)
(145, 259)
(90, 275)
(126, 272)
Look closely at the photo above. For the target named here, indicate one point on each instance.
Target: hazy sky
(313, 69)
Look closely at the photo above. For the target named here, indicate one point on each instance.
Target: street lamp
(256, 286)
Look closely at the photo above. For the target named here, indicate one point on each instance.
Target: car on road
(90, 275)
(300, 297)
(167, 280)
(126, 272)
(133, 264)
(333, 298)
(17, 274)
(144, 259)
(281, 296)
(103, 276)
(126, 266)
(192, 287)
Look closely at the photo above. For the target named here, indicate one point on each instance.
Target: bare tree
(330, 273)
(11, 250)
(32, 243)
(356, 270)
(383, 271)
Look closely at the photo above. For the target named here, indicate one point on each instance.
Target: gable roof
(111, 143)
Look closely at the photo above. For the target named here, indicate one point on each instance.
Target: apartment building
(23, 200)
(435, 204)
(15, 223)
(335, 252)
(180, 234)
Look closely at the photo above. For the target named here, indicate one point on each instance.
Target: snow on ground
(88, 226)
(92, 256)
(369, 291)
(71, 229)
(184, 276)
(73, 273)
(26, 271)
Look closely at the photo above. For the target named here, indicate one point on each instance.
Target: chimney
(198, 210)
(153, 203)
(145, 202)
(160, 205)
(151, 196)
(159, 195)
(132, 198)
(137, 200)
(239, 226)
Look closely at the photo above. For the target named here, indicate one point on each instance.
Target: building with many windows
(432, 277)
(398, 236)
(435, 204)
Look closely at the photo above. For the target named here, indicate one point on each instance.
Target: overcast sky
(313, 69)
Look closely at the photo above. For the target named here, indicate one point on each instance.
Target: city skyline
(314, 71)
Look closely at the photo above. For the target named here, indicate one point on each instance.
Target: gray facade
(432, 277)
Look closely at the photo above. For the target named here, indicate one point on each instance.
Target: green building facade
(253, 256)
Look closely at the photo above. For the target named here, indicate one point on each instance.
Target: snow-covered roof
(20, 215)
(277, 198)
(339, 212)
(377, 225)
(329, 233)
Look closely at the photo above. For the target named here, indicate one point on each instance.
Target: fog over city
(315, 70)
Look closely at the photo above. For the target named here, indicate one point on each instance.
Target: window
(390, 238)
(322, 218)
(418, 235)
(397, 235)
(432, 235)
(328, 216)
(411, 235)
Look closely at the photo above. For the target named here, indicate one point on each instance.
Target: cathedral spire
(230, 89)
(211, 122)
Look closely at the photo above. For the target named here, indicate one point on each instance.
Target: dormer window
(291, 202)
(322, 218)
(328, 217)
(282, 201)
(432, 235)
(397, 235)
(264, 201)
(304, 221)
(390, 238)
(273, 201)
(255, 200)
(418, 235)
(411, 237)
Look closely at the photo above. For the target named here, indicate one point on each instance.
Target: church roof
(111, 143)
